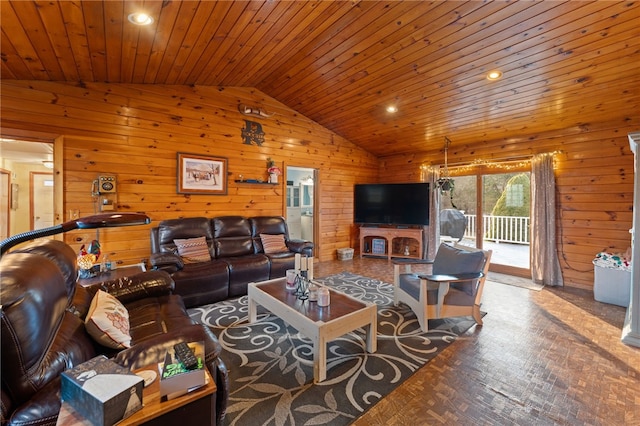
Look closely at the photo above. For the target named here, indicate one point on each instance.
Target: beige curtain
(545, 266)
(431, 233)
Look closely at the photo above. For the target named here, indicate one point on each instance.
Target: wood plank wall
(594, 185)
(136, 131)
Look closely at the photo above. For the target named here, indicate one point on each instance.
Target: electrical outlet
(74, 214)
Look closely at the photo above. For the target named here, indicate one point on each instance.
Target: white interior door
(41, 200)
(5, 190)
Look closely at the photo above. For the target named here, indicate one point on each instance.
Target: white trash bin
(612, 286)
(612, 279)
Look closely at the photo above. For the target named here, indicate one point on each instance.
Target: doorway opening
(497, 209)
(28, 191)
(301, 213)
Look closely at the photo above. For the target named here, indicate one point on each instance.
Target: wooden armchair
(454, 288)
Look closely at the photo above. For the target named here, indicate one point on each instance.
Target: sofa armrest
(139, 286)
(169, 262)
(301, 246)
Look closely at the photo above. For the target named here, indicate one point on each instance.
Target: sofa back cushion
(270, 225)
(182, 229)
(40, 338)
(232, 236)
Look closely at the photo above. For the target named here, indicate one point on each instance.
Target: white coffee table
(320, 324)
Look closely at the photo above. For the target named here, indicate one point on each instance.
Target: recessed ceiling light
(392, 109)
(140, 19)
(494, 75)
(48, 164)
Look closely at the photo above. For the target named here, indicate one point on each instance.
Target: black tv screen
(391, 204)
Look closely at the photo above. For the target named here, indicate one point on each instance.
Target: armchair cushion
(454, 261)
(410, 283)
(108, 321)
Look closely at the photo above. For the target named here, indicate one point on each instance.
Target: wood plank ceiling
(341, 63)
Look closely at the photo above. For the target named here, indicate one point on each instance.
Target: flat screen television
(391, 204)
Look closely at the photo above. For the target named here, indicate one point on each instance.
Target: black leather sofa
(43, 331)
(236, 251)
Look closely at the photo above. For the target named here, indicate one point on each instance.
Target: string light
(506, 165)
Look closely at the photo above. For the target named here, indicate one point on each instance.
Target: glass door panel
(506, 207)
(496, 209)
(463, 199)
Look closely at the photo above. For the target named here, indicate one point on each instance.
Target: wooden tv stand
(395, 241)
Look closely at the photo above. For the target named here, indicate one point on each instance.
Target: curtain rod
(514, 159)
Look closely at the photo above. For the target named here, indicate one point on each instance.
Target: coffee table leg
(319, 359)
(372, 333)
(253, 310)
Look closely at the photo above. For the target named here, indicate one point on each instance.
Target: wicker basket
(345, 253)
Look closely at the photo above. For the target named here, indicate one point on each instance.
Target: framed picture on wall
(202, 174)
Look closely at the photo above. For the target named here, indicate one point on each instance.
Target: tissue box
(175, 380)
(102, 391)
(612, 286)
(345, 253)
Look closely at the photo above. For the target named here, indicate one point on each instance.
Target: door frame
(7, 213)
(58, 161)
(480, 171)
(315, 174)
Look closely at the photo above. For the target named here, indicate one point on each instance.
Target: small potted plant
(273, 170)
(445, 184)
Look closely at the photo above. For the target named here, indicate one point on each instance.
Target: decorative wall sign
(254, 111)
(252, 133)
(202, 174)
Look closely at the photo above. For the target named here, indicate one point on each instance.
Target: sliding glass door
(496, 206)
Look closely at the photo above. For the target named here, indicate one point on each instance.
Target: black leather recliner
(43, 331)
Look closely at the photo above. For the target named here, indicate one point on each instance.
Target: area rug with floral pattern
(271, 364)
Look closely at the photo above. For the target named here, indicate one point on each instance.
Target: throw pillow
(273, 243)
(108, 321)
(193, 250)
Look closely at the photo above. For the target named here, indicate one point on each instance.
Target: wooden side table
(197, 407)
(122, 271)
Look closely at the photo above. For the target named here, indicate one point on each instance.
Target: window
(515, 195)
(293, 196)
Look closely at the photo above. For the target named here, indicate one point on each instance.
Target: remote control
(185, 355)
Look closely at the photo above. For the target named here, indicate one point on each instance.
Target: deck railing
(508, 229)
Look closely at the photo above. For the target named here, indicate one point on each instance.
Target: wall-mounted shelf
(247, 182)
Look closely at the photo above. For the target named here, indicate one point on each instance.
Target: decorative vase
(273, 178)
